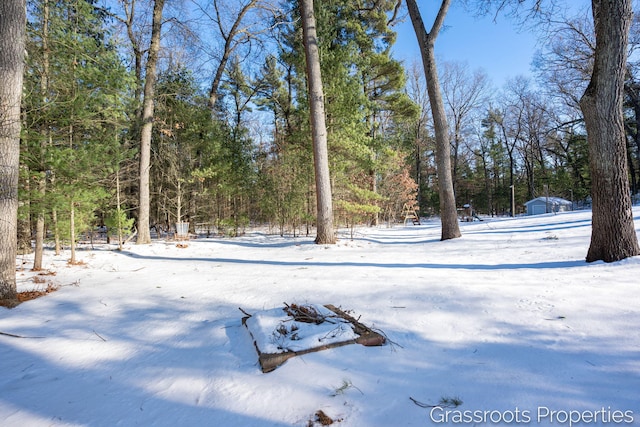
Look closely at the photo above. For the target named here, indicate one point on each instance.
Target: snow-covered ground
(508, 319)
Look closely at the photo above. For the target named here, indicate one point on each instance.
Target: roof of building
(552, 200)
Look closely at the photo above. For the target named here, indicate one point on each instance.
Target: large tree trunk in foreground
(318, 126)
(613, 236)
(144, 235)
(426, 40)
(12, 45)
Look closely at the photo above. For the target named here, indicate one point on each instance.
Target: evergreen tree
(363, 89)
(73, 119)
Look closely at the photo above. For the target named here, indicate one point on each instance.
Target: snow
(509, 319)
(274, 331)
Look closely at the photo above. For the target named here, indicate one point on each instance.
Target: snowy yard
(508, 319)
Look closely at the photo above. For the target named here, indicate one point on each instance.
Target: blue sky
(501, 48)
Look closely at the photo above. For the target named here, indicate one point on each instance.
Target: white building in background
(543, 205)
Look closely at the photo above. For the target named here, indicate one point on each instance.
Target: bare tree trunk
(613, 235)
(72, 232)
(230, 45)
(24, 223)
(56, 231)
(144, 235)
(119, 211)
(325, 232)
(426, 40)
(40, 229)
(46, 135)
(12, 46)
(129, 8)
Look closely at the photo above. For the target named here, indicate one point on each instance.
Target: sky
(500, 46)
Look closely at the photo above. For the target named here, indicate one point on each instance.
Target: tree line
(222, 153)
(140, 114)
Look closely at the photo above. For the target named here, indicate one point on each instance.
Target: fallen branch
(16, 336)
(305, 313)
(445, 402)
(386, 338)
(128, 239)
(420, 404)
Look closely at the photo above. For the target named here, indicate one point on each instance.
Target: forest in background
(231, 141)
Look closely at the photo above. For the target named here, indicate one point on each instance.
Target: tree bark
(12, 46)
(129, 8)
(40, 229)
(144, 235)
(24, 223)
(426, 40)
(325, 232)
(229, 47)
(45, 133)
(613, 235)
(72, 232)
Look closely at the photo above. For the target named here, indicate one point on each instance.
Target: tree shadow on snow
(351, 264)
(539, 367)
(107, 371)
